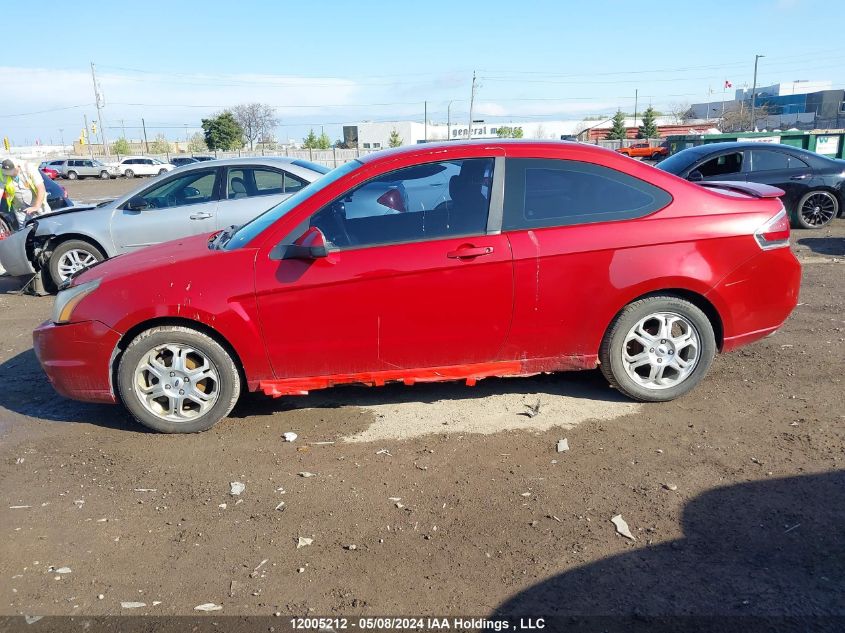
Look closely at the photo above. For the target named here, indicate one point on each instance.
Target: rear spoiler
(753, 189)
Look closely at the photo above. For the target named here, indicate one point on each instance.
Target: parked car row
(128, 167)
(195, 199)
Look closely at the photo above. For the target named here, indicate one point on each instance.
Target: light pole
(449, 120)
(754, 93)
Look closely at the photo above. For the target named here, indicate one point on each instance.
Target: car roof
(713, 148)
(269, 161)
(445, 148)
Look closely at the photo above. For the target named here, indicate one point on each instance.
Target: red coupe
(453, 261)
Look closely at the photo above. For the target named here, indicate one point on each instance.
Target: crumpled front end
(14, 253)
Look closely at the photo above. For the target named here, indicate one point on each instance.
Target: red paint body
(540, 301)
(51, 173)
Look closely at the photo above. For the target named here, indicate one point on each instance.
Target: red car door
(414, 278)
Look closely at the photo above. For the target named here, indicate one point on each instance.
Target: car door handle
(800, 177)
(202, 215)
(469, 251)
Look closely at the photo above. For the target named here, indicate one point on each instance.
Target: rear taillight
(392, 200)
(774, 233)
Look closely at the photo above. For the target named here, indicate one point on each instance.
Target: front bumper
(77, 358)
(13, 254)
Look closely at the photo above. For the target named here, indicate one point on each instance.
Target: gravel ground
(454, 501)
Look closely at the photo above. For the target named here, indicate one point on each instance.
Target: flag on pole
(728, 84)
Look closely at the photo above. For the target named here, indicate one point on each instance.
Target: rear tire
(201, 381)
(71, 257)
(816, 209)
(129, 173)
(657, 348)
(72, 175)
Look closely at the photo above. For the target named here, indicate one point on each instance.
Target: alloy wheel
(819, 208)
(176, 382)
(74, 261)
(661, 350)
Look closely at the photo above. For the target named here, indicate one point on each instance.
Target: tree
(197, 143)
(310, 141)
(121, 146)
(395, 140)
(223, 132)
(541, 132)
(509, 132)
(257, 120)
(740, 120)
(618, 131)
(649, 127)
(682, 112)
(160, 145)
(324, 142)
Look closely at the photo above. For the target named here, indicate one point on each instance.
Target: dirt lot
(444, 499)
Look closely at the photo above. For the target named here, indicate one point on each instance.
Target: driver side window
(423, 202)
(195, 187)
(722, 165)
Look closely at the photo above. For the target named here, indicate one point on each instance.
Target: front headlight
(67, 300)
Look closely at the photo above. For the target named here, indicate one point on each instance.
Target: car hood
(64, 211)
(158, 256)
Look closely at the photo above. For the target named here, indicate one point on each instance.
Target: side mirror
(310, 245)
(137, 203)
(695, 176)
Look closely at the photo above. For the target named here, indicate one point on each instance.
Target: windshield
(245, 234)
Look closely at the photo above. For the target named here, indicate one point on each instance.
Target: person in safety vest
(23, 189)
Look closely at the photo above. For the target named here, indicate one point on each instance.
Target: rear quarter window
(546, 192)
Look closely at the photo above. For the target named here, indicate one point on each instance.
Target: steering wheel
(331, 220)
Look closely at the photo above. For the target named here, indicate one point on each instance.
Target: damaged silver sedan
(193, 200)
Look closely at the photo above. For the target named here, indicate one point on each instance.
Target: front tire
(657, 349)
(129, 173)
(72, 257)
(104, 175)
(175, 379)
(72, 175)
(816, 209)
(162, 171)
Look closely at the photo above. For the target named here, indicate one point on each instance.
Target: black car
(814, 184)
(56, 198)
(202, 158)
(178, 161)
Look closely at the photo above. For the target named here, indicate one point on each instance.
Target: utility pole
(754, 93)
(449, 121)
(99, 101)
(144, 127)
(425, 121)
(123, 128)
(471, 101)
(62, 134)
(636, 95)
(90, 149)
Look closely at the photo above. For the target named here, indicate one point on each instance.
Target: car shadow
(834, 246)
(766, 549)
(576, 384)
(11, 285)
(24, 389)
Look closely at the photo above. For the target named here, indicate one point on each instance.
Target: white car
(132, 166)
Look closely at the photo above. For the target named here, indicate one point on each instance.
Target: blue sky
(326, 63)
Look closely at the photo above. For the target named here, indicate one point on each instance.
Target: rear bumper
(758, 297)
(77, 358)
